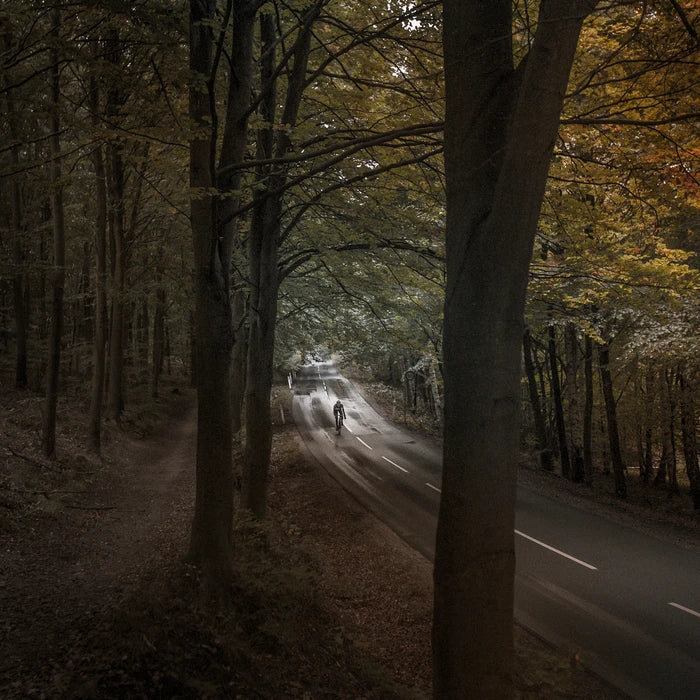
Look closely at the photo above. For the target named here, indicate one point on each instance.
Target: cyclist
(339, 414)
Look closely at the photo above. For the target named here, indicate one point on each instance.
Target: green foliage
(362, 222)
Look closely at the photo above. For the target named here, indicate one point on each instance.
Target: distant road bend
(627, 603)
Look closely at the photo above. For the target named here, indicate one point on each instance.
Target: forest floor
(97, 601)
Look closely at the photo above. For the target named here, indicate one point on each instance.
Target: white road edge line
(364, 443)
(434, 488)
(556, 551)
(386, 459)
(684, 609)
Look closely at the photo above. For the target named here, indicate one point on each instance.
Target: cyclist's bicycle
(338, 422)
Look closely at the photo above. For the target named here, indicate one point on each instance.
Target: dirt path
(72, 572)
(61, 572)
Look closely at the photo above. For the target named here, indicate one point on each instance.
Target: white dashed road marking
(684, 609)
(393, 464)
(556, 551)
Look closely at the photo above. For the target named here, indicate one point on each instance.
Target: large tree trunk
(211, 543)
(500, 128)
(611, 416)
(59, 257)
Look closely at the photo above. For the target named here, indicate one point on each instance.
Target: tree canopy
(221, 187)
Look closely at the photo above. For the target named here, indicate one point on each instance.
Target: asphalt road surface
(627, 603)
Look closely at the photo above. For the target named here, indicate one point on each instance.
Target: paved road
(627, 603)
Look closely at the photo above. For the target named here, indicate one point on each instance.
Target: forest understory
(327, 602)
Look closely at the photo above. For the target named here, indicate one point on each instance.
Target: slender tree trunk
(500, 127)
(573, 403)
(648, 464)
(15, 226)
(59, 257)
(437, 401)
(264, 241)
(115, 99)
(168, 353)
(673, 464)
(44, 257)
(588, 411)
(20, 311)
(546, 408)
(558, 405)
(414, 396)
(638, 419)
(98, 348)
(233, 151)
(611, 415)
(689, 432)
(540, 427)
(115, 398)
(240, 353)
(638, 437)
(211, 542)
(142, 333)
(158, 335)
(258, 443)
(18, 278)
(193, 347)
(662, 471)
(406, 377)
(236, 129)
(668, 456)
(82, 310)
